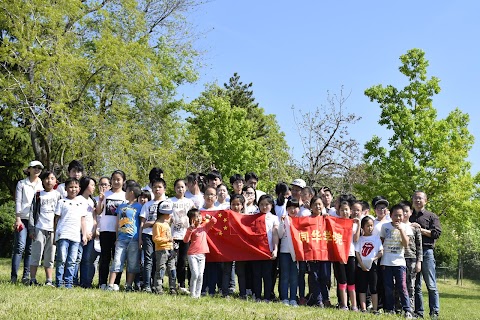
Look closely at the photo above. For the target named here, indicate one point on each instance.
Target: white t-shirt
(351, 253)
(197, 199)
(377, 226)
(149, 213)
(253, 209)
(368, 247)
(70, 222)
(393, 250)
(61, 190)
(281, 211)
(109, 219)
(89, 207)
(48, 204)
(179, 218)
(271, 221)
(304, 212)
(214, 208)
(222, 206)
(259, 193)
(333, 212)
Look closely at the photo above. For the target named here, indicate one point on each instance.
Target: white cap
(299, 183)
(35, 163)
(165, 207)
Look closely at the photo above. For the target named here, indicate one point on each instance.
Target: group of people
(158, 236)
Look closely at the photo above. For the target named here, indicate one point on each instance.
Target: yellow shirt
(162, 236)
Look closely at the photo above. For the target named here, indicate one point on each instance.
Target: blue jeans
(288, 277)
(78, 261)
(87, 267)
(22, 245)
(399, 274)
(65, 263)
(320, 273)
(149, 260)
(428, 273)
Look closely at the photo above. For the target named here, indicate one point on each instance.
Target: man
(251, 180)
(296, 188)
(429, 225)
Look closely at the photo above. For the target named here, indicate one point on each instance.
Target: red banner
(321, 238)
(237, 237)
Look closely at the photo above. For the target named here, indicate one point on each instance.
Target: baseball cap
(299, 183)
(165, 207)
(35, 163)
(381, 201)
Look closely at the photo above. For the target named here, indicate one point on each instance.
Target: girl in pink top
(197, 236)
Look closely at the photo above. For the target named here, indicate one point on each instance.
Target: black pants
(107, 243)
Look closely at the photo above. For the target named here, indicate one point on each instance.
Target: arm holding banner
(275, 241)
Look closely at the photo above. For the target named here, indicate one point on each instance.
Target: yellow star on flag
(219, 215)
(225, 228)
(220, 233)
(224, 219)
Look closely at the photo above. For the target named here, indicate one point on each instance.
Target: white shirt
(149, 213)
(61, 190)
(197, 199)
(70, 221)
(271, 221)
(368, 247)
(88, 207)
(109, 219)
(179, 219)
(24, 194)
(393, 250)
(304, 212)
(48, 204)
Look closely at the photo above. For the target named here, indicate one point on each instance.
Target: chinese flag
(321, 238)
(237, 237)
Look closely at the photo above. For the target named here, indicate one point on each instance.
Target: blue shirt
(128, 221)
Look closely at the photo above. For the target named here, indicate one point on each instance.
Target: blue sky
(296, 51)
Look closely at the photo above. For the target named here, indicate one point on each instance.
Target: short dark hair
(293, 203)
(45, 174)
(155, 173)
(156, 180)
(75, 164)
(250, 175)
(365, 220)
(145, 194)
(406, 203)
(396, 207)
(214, 174)
(365, 205)
(236, 177)
(135, 187)
(69, 181)
(192, 213)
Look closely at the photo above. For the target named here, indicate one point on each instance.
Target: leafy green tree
(424, 152)
(225, 136)
(95, 80)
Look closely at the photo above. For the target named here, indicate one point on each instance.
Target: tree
(94, 80)
(225, 136)
(328, 151)
(424, 153)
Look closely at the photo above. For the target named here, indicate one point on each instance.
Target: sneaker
(173, 291)
(49, 284)
(286, 302)
(408, 315)
(128, 288)
(33, 282)
(327, 304)
(434, 316)
(345, 308)
(103, 287)
(376, 313)
(183, 290)
(293, 303)
(248, 292)
(13, 280)
(110, 288)
(303, 302)
(147, 289)
(116, 287)
(355, 309)
(26, 281)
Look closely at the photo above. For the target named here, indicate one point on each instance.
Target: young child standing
(346, 272)
(197, 236)
(148, 216)
(395, 240)
(288, 263)
(181, 206)
(164, 254)
(368, 251)
(75, 170)
(107, 207)
(262, 269)
(69, 220)
(126, 246)
(22, 243)
(42, 215)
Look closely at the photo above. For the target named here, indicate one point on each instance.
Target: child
(75, 170)
(395, 240)
(107, 207)
(288, 264)
(40, 227)
(69, 220)
(346, 272)
(87, 268)
(197, 236)
(24, 194)
(283, 192)
(368, 251)
(237, 183)
(144, 197)
(306, 194)
(413, 253)
(319, 271)
(164, 254)
(214, 179)
(148, 216)
(262, 269)
(223, 200)
(195, 185)
(181, 206)
(250, 202)
(126, 246)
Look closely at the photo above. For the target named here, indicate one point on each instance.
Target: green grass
(21, 302)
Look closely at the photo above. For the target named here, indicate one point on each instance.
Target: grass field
(22, 302)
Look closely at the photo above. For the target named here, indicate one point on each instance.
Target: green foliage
(95, 80)
(7, 219)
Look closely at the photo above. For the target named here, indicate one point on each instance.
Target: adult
(327, 199)
(430, 228)
(24, 194)
(296, 188)
(251, 180)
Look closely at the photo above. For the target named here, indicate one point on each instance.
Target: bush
(7, 220)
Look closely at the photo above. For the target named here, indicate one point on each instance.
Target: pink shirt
(198, 238)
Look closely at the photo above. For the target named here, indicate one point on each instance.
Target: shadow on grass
(459, 296)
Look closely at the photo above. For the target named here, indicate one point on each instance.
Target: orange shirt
(162, 236)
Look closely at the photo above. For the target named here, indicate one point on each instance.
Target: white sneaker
(248, 292)
(183, 290)
(103, 287)
(116, 287)
(285, 302)
(293, 303)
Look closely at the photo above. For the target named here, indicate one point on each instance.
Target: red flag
(237, 237)
(321, 238)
